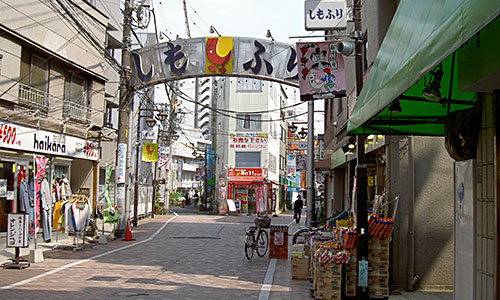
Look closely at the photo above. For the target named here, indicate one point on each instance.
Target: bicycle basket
(263, 222)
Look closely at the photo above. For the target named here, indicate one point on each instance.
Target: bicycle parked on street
(257, 239)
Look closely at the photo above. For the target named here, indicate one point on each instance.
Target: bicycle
(256, 239)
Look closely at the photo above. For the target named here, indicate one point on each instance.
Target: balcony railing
(77, 111)
(34, 98)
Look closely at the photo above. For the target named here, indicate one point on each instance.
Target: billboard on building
(248, 140)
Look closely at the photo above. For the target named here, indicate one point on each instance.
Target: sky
(245, 18)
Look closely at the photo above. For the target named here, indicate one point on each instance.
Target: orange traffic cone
(128, 233)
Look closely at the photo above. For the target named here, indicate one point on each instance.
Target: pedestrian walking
(297, 209)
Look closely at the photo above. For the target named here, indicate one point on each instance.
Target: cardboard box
(330, 270)
(327, 295)
(378, 268)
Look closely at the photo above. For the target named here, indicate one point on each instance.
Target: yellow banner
(149, 152)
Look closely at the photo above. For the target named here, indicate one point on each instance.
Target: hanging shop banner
(162, 161)
(273, 200)
(321, 70)
(16, 137)
(110, 214)
(300, 161)
(261, 198)
(248, 140)
(180, 166)
(41, 166)
(215, 56)
(17, 230)
(210, 157)
(122, 163)
(325, 14)
(149, 152)
(246, 173)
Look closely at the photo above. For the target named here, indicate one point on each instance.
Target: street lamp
(151, 122)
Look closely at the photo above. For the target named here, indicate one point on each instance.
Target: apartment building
(250, 145)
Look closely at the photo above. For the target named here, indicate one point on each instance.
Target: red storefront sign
(246, 173)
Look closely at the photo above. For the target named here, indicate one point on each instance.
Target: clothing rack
(80, 202)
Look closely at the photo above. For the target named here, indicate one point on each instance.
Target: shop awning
(422, 35)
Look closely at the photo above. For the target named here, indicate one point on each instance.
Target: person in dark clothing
(297, 209)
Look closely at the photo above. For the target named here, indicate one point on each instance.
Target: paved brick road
(194, 257)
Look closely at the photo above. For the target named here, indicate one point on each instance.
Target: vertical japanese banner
(222, 200)
(261, 198)
(40, 167)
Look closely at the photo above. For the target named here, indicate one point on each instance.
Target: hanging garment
(80, 216)
(46, 221)
(46, 193)
(25, 204)
(65, 189)
(55, 215)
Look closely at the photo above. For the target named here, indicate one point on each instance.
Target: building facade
(53, 96)
(250, 145)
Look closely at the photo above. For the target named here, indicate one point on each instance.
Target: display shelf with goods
(332, 258)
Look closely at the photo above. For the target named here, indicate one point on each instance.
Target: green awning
(422, 35)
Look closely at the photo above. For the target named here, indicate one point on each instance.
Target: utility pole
(361, 173)
(310, 163)
(123, 121)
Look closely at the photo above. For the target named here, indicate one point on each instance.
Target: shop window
(249, 85)
(247, 160)
(249, 122)
(6, 192)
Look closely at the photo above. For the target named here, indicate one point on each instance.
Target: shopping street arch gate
(215, 56)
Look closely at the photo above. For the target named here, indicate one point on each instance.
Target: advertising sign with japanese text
(300, 162)
(248, 140)
(325, 14)
(16, 137)
(219, 56)
(247, 173)
(321, 70)
(121, 163)
(17, 230)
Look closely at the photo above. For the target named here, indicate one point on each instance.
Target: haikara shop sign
(16, 137)
(246, 173)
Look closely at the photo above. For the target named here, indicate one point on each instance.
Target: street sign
(325, 14)
(148, 134)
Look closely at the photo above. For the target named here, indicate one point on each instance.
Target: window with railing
(33, 83)
(76, 104)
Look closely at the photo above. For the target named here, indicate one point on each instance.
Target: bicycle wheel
(262, 243)
(249, 242)
(301, 232)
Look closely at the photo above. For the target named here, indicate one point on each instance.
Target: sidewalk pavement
(60, 240)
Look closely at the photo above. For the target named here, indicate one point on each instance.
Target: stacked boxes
(351, 275)
(378, 266)
(300, 262)
(328, 281)
(327, 277)
(278, 244)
